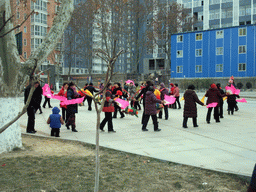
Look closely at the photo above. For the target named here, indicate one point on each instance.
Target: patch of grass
(119, 171)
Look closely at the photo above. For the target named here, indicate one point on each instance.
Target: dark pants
(47, 100)
(132, 103)
(136, 104)
(216, 114)
(39, 108)
(221, 109)
(231, 107)
(55, 132)
(89, 100)
(146, 119)
(177, 101)
(117, 108)
(64, 114)
(108, 118)
(165, 112)
(31, 119)
(185, 120)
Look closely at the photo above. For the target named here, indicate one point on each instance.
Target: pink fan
(212, 105)
(64, 100)
(169, 100)
(129, 81)
(122, 103)
(241, 100)
(73, 101)
(233, 89)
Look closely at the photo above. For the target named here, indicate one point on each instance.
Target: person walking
(63, 93)
(72, 109)
(108, 108)
(150, 109)
(190, 110)
(143, 93)
(220, 100)
(163, 92)
(39, 93)
(213, 95)
(47, 100)
(33, 105)
(137, 103)
(117, 91)
(176, 94)
(231, 100)
(89, 99)
(132, 91)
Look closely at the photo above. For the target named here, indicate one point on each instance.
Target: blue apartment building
(214, 53)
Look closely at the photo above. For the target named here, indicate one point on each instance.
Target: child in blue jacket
(55, 120)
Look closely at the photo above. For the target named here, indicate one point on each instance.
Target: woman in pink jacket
(176, 94)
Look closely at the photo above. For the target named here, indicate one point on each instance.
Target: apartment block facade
(32, 33)
(214, 53)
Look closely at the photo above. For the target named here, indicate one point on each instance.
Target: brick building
(33, 31)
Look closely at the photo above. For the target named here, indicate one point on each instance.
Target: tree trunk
(10, 138)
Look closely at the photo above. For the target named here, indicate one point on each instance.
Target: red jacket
(176, 92)
(108, 105)
(61, 93)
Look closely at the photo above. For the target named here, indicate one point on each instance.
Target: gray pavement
(228, 146)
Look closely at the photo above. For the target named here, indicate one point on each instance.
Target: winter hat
(172, 84)
(55, 110)
(162, 85)
(213, 86)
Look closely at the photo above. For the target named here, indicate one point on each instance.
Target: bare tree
(13, 75)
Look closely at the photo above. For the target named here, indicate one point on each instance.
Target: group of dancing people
(136, 95)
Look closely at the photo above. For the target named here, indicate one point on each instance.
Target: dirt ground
(49, 164)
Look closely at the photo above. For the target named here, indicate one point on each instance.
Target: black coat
(91, 89)
(36, 97)
(143, 92)
(73, 107)
(191, 99)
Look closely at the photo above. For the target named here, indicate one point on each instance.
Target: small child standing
(55, 120)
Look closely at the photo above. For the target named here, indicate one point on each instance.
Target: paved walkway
(228, 146)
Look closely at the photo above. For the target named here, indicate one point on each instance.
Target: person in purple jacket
(150, 109)
(163, 92)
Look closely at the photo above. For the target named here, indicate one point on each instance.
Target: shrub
(248, 85)
(240, 85)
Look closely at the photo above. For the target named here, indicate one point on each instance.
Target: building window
(25, 55)
(25, 29)
(242, 11)
(199, 36)
(242, 32)
(73, 71)
(219, 68)
(198, 68)
(151, 64)
(219, 50)
(18, 15)
(25, 16)
(214, 14)
(77, 70)
(219, 34)
(18, 2)
(179, 53)
(25, 42)
(199, 52)
(242, 49)
(82, 71)
(242, 67)
(179, 69)
(179, 38)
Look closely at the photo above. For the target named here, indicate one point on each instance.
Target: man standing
(33, 105)
(163, 92)
(132, 91)
(117, 92)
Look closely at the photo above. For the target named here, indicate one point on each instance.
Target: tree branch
(17, 26)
